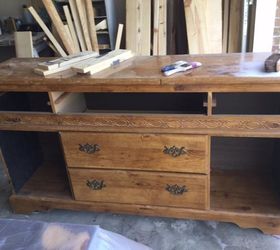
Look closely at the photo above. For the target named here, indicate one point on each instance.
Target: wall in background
(12, 8)
(276, 35)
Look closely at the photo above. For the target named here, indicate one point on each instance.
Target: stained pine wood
(138, 26)
(55, 193)
(133, 187)
(204, 25)
(133, 151)
(219, 73)
(215, 125)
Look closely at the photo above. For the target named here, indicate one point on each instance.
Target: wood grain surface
(219, 73)
(133, 187)
(138, 151)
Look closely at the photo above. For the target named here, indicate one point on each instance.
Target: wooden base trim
(269, 224)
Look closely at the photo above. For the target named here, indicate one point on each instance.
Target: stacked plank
(86, 62)
(79, 32)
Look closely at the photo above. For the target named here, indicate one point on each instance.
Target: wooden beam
(83, 18)
(162, 46)
(138, 26)
(156, 27)
(119, 37)
(59, 25)
(91, 25)
(226, 5)
(204, 26)
(77, 24)
(235, 26)
(47, 31)
(71, 27)
(23, 44)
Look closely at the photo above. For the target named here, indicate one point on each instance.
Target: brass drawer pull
(175, 189)
(89, 148)
(96, 184)
(174, 151)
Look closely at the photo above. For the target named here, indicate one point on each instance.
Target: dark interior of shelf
(247, 103)
(190, 103)
(24, 101)
(35, 162)
(245, 175)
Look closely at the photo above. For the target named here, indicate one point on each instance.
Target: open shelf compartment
(245, 175)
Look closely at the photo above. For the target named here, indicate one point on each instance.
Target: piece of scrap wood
(77, 24)
(49, 5)
(119, 37)
(84, 23)
(71, 27)
(63, 61)
(47, 31)
(101, 25)
(100, 63)
(91, 25)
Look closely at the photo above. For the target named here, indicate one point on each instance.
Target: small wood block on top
(272, 63)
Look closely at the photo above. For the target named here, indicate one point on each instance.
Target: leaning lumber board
(63, 61)
(162, 45)
(226, 4)
(49, 5)
(155, 27)
(91, 25)
(47, 31)
(83, 18)
(23, 44)
(235, 27)
(70, 37)
(204, 25)
(138, 26)
(97, 64)
(119, 37)
(71, 27)
(77, 24)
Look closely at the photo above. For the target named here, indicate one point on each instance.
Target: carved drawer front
(138, 187)
(158, 152)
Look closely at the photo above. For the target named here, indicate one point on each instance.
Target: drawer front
(137, 187)
(173, 153)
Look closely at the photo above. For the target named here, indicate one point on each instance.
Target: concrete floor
(158, 233)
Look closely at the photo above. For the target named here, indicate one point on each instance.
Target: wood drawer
(138, 187)
(156, 152)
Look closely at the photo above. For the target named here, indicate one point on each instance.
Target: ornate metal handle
(175, 189)
(96, 184)
(174, 151)
(89, 148)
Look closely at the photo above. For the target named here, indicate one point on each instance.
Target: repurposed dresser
(201, 145)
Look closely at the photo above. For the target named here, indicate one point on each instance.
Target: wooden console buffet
(201, 145)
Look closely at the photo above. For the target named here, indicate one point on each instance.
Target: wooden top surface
(219, 73)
